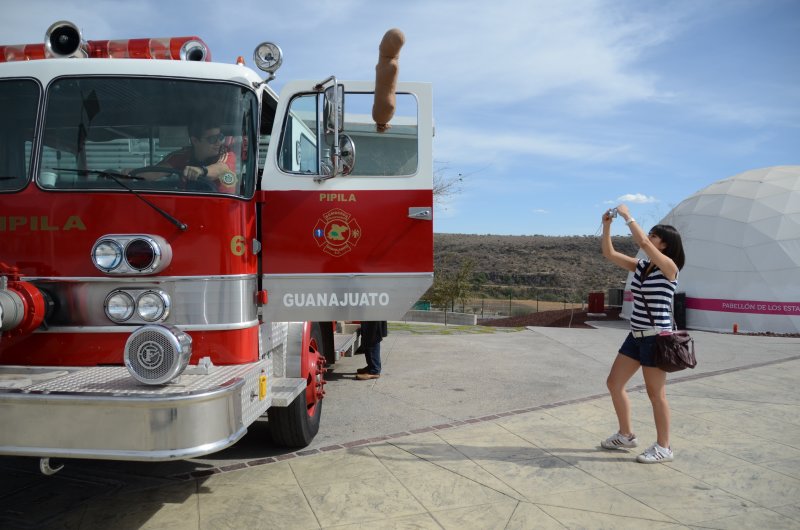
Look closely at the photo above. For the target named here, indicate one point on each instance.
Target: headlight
(152, 306)
(131, 254)
(140, 254)
(119, 306)
(107, 255)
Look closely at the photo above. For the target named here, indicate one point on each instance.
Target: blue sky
(550, 110)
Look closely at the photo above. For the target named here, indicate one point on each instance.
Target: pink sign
(744, 306)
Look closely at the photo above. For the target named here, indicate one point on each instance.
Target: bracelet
(629, 221)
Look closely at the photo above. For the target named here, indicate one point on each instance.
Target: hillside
(515, 265)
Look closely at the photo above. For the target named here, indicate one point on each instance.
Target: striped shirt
(659, 292)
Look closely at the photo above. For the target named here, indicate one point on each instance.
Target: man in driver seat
(206, 158)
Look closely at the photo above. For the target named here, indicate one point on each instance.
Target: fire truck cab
(177, 242)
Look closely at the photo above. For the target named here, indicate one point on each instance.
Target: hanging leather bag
(674, 350)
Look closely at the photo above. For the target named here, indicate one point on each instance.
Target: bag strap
(647, 308)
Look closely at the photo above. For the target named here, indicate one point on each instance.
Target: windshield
(157, 134)
(18, 102)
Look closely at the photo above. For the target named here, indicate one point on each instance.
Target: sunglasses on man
(214, 138)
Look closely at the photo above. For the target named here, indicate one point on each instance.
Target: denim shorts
(640, 349)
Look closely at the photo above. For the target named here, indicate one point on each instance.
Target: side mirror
(334, 109)
(347, 158)
(339, 160)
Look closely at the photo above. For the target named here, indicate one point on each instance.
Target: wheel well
(327, 338)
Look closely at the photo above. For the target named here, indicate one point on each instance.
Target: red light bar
(172, 48)
(21, 52)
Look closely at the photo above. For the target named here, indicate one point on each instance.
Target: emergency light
(63, 40)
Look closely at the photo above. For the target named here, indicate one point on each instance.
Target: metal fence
(489, 307)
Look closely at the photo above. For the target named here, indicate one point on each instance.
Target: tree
(445, 186)
(451, 285)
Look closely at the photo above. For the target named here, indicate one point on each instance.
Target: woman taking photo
(653, 286)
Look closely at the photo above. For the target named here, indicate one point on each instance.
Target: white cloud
(636, 198)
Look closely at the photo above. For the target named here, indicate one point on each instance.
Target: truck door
(356, 246)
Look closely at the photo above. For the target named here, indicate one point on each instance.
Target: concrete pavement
(489, 431)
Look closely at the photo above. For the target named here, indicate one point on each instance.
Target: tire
(292, 426)
(296, 425)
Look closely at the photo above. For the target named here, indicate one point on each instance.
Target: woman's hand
(607, 219)
(623, 210)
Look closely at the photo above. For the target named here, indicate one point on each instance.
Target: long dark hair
(670, 236)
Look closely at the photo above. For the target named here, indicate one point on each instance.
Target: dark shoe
(365, 377)
(362, 370)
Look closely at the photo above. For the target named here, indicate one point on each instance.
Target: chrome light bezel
(161, 249)
(123, 295)
(117, 254)
(163, 302)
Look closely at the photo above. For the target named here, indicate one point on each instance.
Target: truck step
(345, 344)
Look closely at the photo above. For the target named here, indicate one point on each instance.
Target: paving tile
(438, 489)
(481, 517)
(511, 448)
(687, 500)
(485, 432)
(755, 423)
(361, 501)
(337, 466)
(698, 460)
(548, 474)
(583, 414)
(601, 521)
(248, 506)
(757, 484)
(791, 511)
(275, 475)
(752, 449)
(789, 467)
(605, 500)
(705, 389)
(432, 450)
(786, 414)
(423, 521)
(614, 467)
(564, 438)
(528, 515)
(121, 513)
(679, 403)
(401, 463)
(530, 421)
(755, 520)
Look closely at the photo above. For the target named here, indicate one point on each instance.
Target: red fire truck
(152, 313)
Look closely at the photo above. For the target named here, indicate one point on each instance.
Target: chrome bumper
(102, 412)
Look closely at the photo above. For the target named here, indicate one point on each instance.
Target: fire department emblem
(337, 232)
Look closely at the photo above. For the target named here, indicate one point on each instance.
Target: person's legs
(621, 372)
(368, 358)
(374, 363)
(655, 380)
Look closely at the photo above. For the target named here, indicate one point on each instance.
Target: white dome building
(742, 241)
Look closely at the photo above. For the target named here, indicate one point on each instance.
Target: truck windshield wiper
(113, 175)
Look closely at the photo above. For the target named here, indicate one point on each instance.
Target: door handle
(424, 213)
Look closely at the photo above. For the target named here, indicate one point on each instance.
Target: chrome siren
(63, 39)
(155, 354)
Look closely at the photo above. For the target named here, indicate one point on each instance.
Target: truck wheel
(297, 424)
